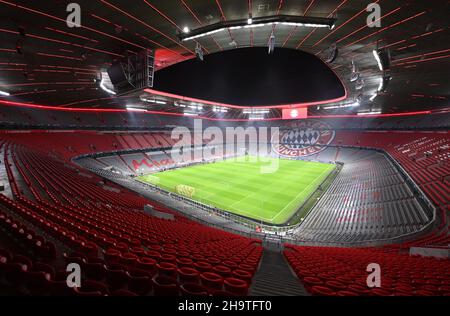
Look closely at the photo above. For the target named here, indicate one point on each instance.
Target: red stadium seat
(147, 264)
(164, 286)
(123, 292)
(116, 277)
(380, 292)
(128, 258)
(322, 291)
(202, 266)
(193, 289)
(346, 293)
(211, 280)
(38, 283)
(184, 262)
(167, 269)
(223, 271)
(139, 281)
(243, 275)
(112, 255)
(221, 293)
(188, 275)
(91, 288)
(236, 286)
(95, 271)
(335, 285)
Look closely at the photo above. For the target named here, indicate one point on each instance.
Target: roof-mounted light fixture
(350, 104)
(189, 113)
(377, 58)
(219, 109)
(370, 113)
(289, 20)
(250, 19)
(105, 80)
(256, 117)
(255, 111)
(133, 108)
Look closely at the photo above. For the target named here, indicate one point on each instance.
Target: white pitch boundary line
(298, 196)
(242, 211)
(229, 183)
(232, 208)
(281, 211)
(252, 214)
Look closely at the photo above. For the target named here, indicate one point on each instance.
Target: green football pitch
(238, 186)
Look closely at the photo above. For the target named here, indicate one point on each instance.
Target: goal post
(185, 190)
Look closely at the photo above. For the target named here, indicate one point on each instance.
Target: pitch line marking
(252, 194)
(298, 195)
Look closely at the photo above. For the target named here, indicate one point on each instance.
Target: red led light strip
(64, 42)
(198, 21)
(58, 108)
(13, 64)
(64, 21)
(386, 28)
(12, 69)
(308, 7)
(71, 34)
(392, 44)
(337, 28)
(250, 13)
(419, 56)
(280, 5)
(59, 56)
(364, 46)
(169, 19)
(145, 24)
(366, 25)
(423, 60)
(224, 19)
(137, 34)
(426, 34)
(100, 18)
(440, 97)
(45, 83)
(33, 92)
(315, 29)
(373, 115)
(53, 71)
(76, 45)
(282, 106)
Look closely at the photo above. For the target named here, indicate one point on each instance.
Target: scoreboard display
(292, 114)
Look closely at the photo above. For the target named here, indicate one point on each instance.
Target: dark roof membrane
(250, 76)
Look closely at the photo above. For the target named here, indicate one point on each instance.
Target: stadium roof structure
(43, 61)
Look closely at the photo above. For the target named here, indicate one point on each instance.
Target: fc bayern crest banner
(303, 138)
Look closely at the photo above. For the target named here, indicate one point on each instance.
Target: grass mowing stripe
(315, 183)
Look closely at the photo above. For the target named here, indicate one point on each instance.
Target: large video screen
(292, 114)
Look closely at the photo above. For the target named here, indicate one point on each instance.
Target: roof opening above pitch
(250, 76)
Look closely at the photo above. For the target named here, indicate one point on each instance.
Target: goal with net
(185, 190)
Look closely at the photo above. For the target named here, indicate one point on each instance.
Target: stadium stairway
(275, 278)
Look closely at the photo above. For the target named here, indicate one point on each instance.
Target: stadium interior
(224, 148)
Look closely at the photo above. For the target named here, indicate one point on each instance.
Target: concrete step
(275, 278)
